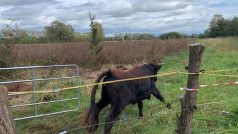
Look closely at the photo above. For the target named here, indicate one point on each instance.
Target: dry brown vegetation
(115, 52)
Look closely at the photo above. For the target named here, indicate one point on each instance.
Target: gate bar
(30, 117)
(47, 102)
(21, 81)
(30, 67)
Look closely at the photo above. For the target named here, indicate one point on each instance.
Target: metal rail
(21, 81)
(46, 102)
(33, 80)
(42, 115)
(30, 67)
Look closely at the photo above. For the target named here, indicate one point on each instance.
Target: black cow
(120, 94)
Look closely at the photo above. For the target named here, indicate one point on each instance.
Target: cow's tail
(92, 115)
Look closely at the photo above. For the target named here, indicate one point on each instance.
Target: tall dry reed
(113, 52)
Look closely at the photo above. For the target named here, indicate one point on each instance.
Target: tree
(220, 27)
(96, 35)
(10, 34)
(100, 31)
(216, 18)
(215, 26)
(171, 35)
(80, 36)
(119, 37)
(131, 36)
(58, 31)
(234, 26)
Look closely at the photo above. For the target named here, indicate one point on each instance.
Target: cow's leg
(112, 117)
(157, 94)
(102, 103)
(140, 106)
(120, 100)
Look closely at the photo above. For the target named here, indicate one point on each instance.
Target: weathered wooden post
(188, 101)
(7, 124)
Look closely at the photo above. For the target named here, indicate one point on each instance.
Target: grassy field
(212, 114)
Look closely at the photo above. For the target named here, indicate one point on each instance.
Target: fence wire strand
(209, 73)
(172, 111)
(128, 79)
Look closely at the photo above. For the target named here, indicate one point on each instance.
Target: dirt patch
(92, 74)
(26, 86)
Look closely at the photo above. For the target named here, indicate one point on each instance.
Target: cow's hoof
(140, 115)
(169, 106)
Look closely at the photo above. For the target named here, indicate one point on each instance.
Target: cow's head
(154, 67)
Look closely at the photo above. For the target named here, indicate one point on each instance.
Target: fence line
(121, 120)
(122, 80)
(222, 70)
(93, 84)
(220, 132)
(153, 116)
(222, 75)
(136, 78)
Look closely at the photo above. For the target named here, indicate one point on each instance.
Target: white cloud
(23, 2)
(157, 6)
(157, 16)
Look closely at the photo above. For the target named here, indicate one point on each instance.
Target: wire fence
(213, 73)
(134, 78)
(171, 111)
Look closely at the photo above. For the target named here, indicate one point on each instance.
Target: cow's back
(136, 90)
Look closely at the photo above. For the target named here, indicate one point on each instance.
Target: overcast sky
(116, 16)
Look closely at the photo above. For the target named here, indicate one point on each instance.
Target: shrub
(116, 52)
(171, 35)
(59, 32)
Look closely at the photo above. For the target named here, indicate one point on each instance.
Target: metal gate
(36, 104)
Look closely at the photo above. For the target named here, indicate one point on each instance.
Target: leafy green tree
(216, 18)
(81, 36)
(215, 26)
(96, 35)
(131, 36)
(220, 27)
(118, 37)
(143, 36)
(100, 31)
(171, 35)
(9, 36)
(59, 32)
(234, 26)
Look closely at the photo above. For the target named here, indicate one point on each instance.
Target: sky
(118, 16)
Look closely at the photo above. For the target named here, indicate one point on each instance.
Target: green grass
(219, 54)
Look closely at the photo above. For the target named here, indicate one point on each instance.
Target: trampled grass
(217, 105)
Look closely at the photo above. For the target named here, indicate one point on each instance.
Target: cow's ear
(155, 79)
(157, 67)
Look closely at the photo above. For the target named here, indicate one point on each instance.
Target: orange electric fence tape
(135, 78)
(93, 84)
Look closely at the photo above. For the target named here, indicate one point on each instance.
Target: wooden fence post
(188, 101)
(7, 124)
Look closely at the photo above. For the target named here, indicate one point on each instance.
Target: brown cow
(120, 94)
